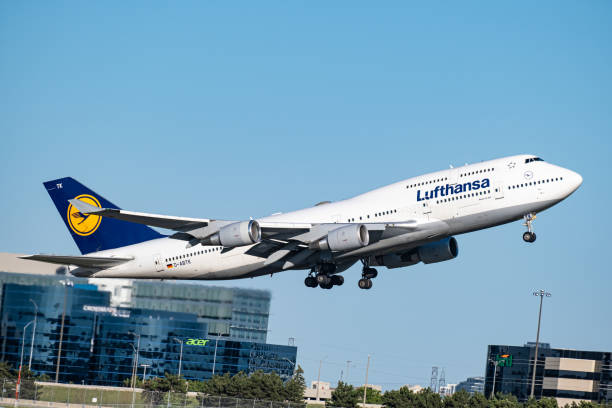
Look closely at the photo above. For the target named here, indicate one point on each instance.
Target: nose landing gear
(529, 235)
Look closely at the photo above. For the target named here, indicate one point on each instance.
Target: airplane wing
(82, 261)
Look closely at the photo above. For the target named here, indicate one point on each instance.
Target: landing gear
(367, 274)
(529, 235)
(323, 276)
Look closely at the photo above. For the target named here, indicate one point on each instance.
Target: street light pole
(66, 283)
(144, 375)
(21, 360)
(495, 362)
(135, 361)
(180, 356)
(541, 293)
(215, 356)
(33, 333)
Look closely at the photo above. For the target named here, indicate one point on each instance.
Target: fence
(38, 394)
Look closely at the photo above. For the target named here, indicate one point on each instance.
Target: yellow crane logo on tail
(84, 224)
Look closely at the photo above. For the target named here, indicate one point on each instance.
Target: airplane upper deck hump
(91, 232)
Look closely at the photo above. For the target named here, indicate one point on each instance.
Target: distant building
(566, 375)
(413, 388)
(447, 390)
(318, 392)
(471, 385)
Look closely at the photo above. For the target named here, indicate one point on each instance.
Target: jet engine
(439, 251)
(236, 234)
(433, 252)
(344, 238)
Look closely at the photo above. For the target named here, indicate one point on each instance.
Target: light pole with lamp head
(180, 355)
(495, 362)
(21, 360)
(144, 374)
(33, 333)
(541, 293)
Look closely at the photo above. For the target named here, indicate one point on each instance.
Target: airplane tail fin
(93, 233)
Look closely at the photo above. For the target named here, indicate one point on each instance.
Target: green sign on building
(504, 360)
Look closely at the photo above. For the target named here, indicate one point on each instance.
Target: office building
(471, 385)
(111, 325)
(564, 374)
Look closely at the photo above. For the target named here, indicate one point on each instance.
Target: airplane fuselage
(463, 199)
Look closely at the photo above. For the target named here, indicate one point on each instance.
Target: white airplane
(393, 226)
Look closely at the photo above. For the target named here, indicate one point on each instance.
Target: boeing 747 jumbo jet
(394, 226)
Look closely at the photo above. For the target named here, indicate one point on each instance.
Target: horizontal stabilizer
(82, 261)
(154, 220)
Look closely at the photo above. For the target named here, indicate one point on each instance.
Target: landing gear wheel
(311, 282)
(323, 279)
(337, 280)
(369, 273)
(327, 286)
(529, 236)
(364, 283)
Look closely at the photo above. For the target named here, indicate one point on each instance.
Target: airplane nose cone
(576, 180)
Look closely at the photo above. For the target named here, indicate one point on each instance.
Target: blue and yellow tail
(92, 232)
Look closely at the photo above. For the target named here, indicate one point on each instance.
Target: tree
(155, 389)
(404, 398)
(372, 396)
(344, 396)
(460, 399)
(294, 388)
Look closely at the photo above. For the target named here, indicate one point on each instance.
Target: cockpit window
(532, 159)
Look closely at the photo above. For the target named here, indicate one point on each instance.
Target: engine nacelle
(433, 252)
(395, 260)
(344, 239)
(443, 250)
(236, 234)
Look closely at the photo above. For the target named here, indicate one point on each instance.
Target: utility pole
(365, 388)
(541, 293)
(59, 349)
(348, 367)
(33, 334)
(319, 379)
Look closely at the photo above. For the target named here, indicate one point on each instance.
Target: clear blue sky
(231, 110)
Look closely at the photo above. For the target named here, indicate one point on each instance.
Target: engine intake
(344, 239)
(236, 234)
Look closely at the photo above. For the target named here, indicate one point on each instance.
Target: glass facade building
(235, 313)
(567, 375)
(101, 343)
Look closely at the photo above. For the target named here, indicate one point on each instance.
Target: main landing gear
(323, 275)
(529, 235)
(367, 274)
